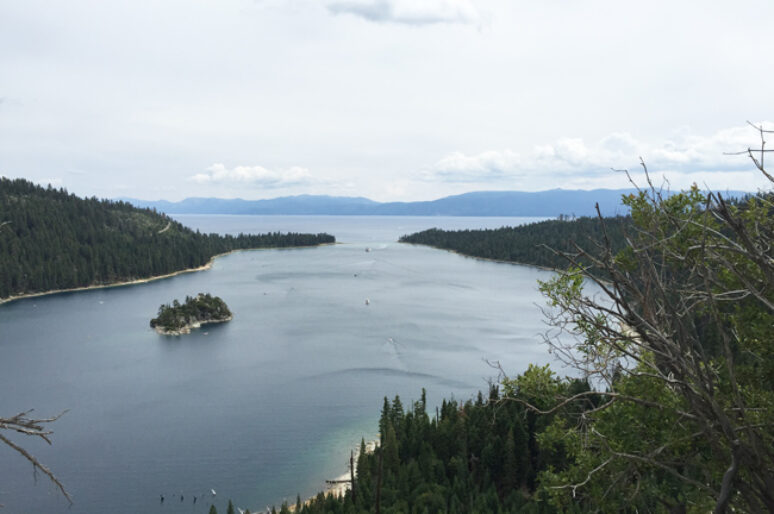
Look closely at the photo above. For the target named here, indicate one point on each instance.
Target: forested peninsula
(538, 244)
(52, 240)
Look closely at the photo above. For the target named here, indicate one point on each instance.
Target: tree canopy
(199, 309)
(681, 342)
(538, 244)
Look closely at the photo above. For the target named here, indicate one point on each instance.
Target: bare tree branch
(23, 424)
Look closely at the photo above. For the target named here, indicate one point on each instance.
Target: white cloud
(411, 12)
(572, 160)
(255, 176)
(371, 103)
(484, 167)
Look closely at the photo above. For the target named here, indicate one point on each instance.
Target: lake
(267, 406)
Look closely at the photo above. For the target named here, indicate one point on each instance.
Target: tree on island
(200, 309)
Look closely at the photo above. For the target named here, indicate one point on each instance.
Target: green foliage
(199, 309)
(601, 474)
(539, 386)
(683, 344)
(538, 244)
(51, 240)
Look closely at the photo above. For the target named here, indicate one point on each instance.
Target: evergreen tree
(391, 450)
(475, 457)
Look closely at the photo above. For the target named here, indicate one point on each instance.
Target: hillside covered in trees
(51, 240)
(538, 244)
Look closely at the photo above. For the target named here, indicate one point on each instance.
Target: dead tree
(33, 427)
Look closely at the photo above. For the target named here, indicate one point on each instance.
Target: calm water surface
(268, 405)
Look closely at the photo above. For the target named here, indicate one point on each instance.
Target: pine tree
(510, 475)
(391, 451)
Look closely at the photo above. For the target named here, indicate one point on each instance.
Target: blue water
(267, 406)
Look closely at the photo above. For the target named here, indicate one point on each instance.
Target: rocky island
(177, 319)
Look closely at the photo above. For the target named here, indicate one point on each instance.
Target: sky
(393, 100)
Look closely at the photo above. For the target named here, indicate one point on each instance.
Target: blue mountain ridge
(549, 203)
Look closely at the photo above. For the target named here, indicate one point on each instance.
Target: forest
(480, 455)
(538, 244)
(50, 240)
(201, 308)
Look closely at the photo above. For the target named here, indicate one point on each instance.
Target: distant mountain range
(483, 203)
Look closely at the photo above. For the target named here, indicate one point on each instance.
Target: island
(177, 319)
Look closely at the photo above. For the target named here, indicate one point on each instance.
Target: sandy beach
(341, 484)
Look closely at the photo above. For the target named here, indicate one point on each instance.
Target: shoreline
(203, 267)
(487, 259)
(341, 484)
(187, 329)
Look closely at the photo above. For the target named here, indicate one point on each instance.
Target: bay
(267, 406)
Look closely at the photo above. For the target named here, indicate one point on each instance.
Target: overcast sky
(388, 99)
